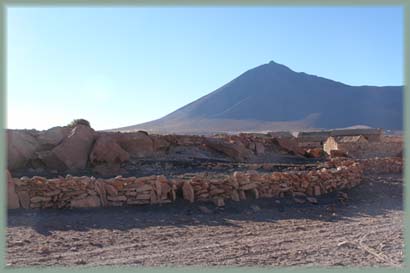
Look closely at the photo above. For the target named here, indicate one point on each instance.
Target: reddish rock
(88, 202)
(21, 147)
(75, 148)
(110, 190)
(12, 198)
(107, 152)
(235, 196)
(315, 153)
(24, 198)
(53, 136)
(100, 189)
(51, 160)
(235, 150)
(290, 144)
(188, 192)
(138, 144)
(338, 153)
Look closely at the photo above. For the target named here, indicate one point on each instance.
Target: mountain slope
(272, 97)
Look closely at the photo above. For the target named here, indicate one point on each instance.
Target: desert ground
(361, 227)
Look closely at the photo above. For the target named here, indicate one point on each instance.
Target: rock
(21, 148)
(75, 148)
(235, 196)
(338, 153)
(117, 198)
(138, 144)
(24, 198)
(299, 200)
(110, 190)
(12, 198)
(50, 160)
(37, 199)
(100, 189)
(314, 153)
(188, 192)
(312, 200)
(107, 152)
(290, 144)
(235, 150)
(88, 202)
(50, 138)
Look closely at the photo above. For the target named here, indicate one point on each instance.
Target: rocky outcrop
(106, 155)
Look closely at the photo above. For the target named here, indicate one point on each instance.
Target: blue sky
(124, 66)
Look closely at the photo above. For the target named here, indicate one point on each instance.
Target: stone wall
(371, 149)
(72, 192)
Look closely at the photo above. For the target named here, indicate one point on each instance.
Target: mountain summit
(272, 97)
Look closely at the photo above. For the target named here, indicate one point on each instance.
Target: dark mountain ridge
(272, 96)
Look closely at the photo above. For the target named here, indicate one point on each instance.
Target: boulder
(107, 151)
(12, 198)
(235, 150)
(75, 148)
(50, 160)
(21, 148)
(53, 136)
(138, 144)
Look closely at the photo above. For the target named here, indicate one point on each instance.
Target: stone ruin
(75, 166)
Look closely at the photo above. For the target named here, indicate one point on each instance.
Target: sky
(123, 66)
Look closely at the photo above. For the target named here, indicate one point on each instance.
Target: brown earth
(364, 230)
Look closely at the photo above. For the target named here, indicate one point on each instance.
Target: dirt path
(365, 231)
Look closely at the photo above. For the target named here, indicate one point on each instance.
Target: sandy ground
(366, 230)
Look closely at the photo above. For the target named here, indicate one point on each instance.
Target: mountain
(272, 97)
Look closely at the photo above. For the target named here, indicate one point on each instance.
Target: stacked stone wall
(71, 192)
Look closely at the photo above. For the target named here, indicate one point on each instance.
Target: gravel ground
(365, 230)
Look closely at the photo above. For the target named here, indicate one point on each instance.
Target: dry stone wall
(371, 149)
(72, 192)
